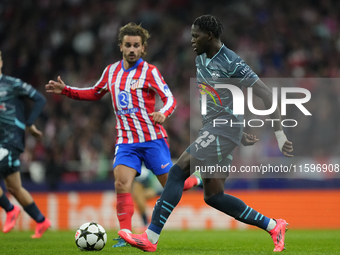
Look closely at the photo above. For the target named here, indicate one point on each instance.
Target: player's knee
(212, 199)
(122, 187)
(14, 190)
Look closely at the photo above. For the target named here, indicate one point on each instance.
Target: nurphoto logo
(238, 103)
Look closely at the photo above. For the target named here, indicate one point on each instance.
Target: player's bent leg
(139, 241)
(12, 212)
(236, 208)
(162, 178)
(14, 186)
(278, 234)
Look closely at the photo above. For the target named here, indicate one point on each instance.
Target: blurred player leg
(12, 212)
(13, 185)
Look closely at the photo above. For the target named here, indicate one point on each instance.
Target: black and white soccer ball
(90, 237)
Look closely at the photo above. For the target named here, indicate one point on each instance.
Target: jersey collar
(207, 60)
(137, 63)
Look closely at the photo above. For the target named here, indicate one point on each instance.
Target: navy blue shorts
(211, 148)
(155, 155)
(214, 151)
(9, 162)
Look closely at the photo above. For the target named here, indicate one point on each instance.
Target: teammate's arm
(26, 90)
(34, 131)
(262, 91)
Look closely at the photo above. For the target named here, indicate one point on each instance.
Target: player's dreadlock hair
(133, 29)
(209, 23)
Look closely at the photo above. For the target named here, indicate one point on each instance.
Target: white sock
(199, 181)
(126, 230)
(152, 236)
(271, 225)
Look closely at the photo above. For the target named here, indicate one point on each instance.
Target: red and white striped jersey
(133, 98)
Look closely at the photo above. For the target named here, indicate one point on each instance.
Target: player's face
(199, 40)
(131, 48)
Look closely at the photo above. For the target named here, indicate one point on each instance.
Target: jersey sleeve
(89, 94)
(242, 74)
(157, 83)
(26, 90)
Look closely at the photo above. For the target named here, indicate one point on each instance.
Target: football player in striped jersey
(133, 84)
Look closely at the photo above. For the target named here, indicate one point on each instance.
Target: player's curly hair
(209, 23)
(133, 29)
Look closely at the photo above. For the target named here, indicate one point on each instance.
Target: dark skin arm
(262, 91)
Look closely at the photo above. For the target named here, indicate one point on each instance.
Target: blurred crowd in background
(77, 39)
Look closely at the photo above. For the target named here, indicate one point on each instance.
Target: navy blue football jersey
(226, 67)
(12, 111)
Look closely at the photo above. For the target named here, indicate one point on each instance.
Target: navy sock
(5, 203)
(170, 197)
(34, 212)
(236, 208)
(145, 219)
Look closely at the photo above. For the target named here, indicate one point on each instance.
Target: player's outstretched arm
(248, 139)
(261, 90)
(55, 86)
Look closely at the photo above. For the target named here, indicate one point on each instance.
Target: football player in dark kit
(215, 143)
(12, 143)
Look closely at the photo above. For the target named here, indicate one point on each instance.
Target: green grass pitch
(180, 242)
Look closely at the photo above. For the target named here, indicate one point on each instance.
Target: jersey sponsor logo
(123, 99)
(135, 84)
(207, 89)
(245, 70)
(127, 111)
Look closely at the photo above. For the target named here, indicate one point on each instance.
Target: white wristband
(281, 138)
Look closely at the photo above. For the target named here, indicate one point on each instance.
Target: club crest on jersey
(135, 84)
(215, 75)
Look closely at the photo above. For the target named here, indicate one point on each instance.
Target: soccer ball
(91, 237)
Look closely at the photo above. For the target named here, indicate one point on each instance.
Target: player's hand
(248, 139)
(34, 131)
(158, 117)
(55, 86)
(287, 148)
